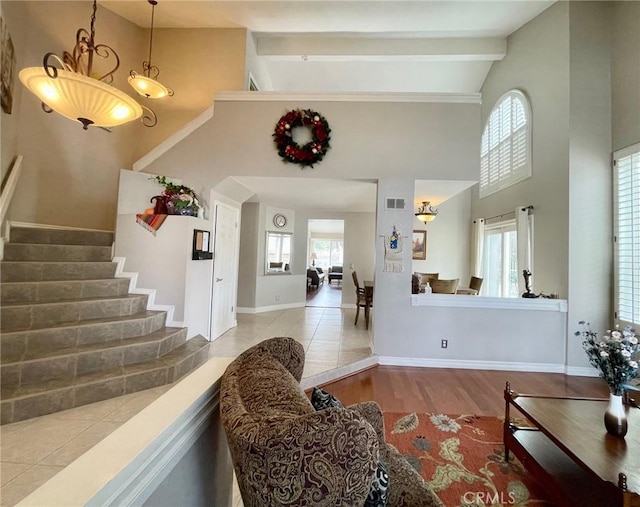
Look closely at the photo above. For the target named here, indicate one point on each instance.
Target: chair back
(475, 283)
(444, 286)
(354, 275)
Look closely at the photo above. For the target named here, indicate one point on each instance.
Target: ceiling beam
(345, 48)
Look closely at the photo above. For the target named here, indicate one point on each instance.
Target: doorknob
(218, 279)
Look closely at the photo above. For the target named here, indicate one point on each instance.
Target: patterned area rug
(462, 457)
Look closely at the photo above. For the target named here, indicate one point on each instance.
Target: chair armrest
(331, 455)
(371, 411)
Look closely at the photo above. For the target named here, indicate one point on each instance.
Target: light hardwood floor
(453, 391)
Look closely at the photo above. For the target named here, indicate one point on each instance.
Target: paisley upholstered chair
(286, 453)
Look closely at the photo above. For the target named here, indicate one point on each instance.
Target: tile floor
(33, 451)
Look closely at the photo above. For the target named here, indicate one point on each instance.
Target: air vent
(394, 203)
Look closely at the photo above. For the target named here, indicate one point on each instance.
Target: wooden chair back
(444, 286)
(475, 283)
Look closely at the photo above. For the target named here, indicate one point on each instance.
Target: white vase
(615, 417)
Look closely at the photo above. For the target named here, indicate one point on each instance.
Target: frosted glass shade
(424, 217)
(148, 87)
(81, 98)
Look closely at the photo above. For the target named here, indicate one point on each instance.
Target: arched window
(505, 149)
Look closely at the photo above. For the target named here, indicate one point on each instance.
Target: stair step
(22, 317)
(40, 398)
(88, 358)
(40, 252)
(33, 344)
(40, 271)
(67, 290)
(60, 236)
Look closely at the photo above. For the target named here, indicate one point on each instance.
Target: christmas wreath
(311, 152)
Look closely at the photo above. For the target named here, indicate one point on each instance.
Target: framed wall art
(419, 245)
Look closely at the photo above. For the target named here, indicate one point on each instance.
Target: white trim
(339, 372)
(243, 96)
(174, 139)
(471, 364)
(151, 293)
(463, 301)
(272, 308)
(581, 371)
(124, 468)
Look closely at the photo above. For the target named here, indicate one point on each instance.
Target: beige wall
(537, 63)
(625, 74)
(70, 176)
(195, 63)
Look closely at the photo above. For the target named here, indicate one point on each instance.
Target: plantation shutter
(505, 148)
(627, 235)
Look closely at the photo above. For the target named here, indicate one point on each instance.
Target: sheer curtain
(477, 245)
(524, 232)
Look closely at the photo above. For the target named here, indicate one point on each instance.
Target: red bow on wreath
(311, 152)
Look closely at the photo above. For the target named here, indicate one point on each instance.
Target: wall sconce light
(426, 212)
(74, 92)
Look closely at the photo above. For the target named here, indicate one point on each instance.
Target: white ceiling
(396, 46)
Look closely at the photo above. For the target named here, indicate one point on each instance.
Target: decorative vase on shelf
(615, 417)
(161, 204)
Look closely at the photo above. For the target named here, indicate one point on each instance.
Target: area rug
(462, 458)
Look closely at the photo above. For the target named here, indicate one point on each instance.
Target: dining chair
(361, 299)
(475, 283)
(444, 286)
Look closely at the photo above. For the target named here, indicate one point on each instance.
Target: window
(278, 259)
(501, 260)
(505, 148)
(328, 252)
(627, 235)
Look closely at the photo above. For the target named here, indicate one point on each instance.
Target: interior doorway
(325, 254)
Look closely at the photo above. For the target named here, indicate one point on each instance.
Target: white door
(225, 269)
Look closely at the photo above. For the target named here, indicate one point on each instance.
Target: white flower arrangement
(614, 355)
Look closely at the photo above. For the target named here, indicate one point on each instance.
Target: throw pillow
(379, 492)
(321, 399)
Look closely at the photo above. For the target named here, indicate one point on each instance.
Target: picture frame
(419, 245)
(7, 68)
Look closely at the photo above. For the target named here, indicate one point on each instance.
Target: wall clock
(279, 220)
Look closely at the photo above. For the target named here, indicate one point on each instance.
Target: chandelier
(73, 90)
(426, 212)
(147, 84)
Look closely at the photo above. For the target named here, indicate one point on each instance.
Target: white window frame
(627, 306)
(501, 144)
(500, 228)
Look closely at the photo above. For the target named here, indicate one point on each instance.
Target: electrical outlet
(277, 298)
(444, 344)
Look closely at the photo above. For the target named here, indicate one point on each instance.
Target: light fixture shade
(148, 87)
(426, 212)
(81, 98)
(424, 217)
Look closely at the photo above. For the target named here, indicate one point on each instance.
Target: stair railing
(8, 188)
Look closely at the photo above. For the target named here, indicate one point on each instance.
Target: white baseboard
(471, 365)
(151, 293)
(272, 308)
(581, 371)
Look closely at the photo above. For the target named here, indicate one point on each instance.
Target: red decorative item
(313, 151)
(161, 204)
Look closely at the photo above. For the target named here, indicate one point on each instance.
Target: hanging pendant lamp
(147, 84)
(426, 212)
(72, 90)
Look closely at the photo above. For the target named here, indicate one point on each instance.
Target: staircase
(71, 334)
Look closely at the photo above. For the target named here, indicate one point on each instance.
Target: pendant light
(72, 90)
(426, 212)
(147, 84)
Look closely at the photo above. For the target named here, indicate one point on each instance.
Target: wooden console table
(568, 449)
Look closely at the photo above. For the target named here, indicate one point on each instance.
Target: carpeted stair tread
(52, 291)
(36, 271)
(40, 398)
(129, 342)
(76, 300)
(37, 235)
